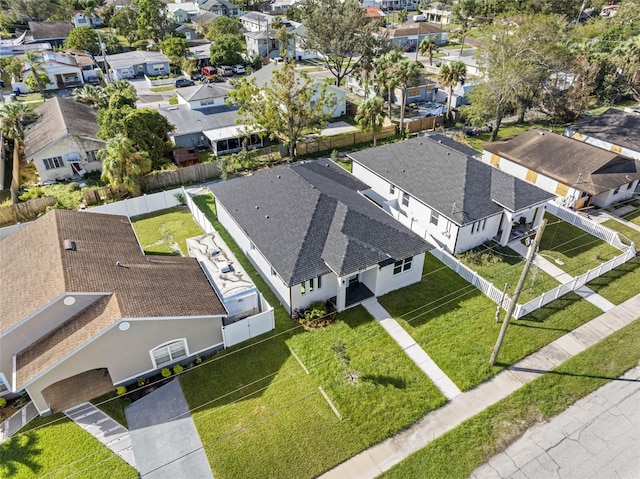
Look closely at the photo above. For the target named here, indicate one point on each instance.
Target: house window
(92, 155)
(402, 265)
(478, 226)
(207, 102)
(158, 67)
(434, 218)
(303, 288)
(311, 281)
(615, 192)
(629, 185)
(392, 190)
(52, 163)
(170, 352)
(405, 199)
(319, 282)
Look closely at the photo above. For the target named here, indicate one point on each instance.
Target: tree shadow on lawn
(20, 450)
(382, 380)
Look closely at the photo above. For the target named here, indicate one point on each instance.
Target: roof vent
(277, 176)
(439, 141)
(214, 252)
(448, 152)
(120, 265)
(257, 207)
(69, 245)
(225, 267)
(266, 217)
(541, 133)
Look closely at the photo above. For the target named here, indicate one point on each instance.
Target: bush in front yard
(166, 372)
(317, 315)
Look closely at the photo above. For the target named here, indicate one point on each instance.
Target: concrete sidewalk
(384, 455)
(412, 349)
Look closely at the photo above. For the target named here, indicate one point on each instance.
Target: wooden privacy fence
(27, 211)
(420, 124)
(188, 174)
(340, 141)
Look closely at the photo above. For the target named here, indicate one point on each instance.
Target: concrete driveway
(597, 437)
(165, 441)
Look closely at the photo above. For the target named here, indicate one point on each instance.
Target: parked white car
(225, 70)
(419, 18)
(239, 69)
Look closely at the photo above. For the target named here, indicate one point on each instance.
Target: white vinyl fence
(612, 237)
(141, 205)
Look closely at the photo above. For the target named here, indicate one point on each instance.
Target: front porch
(77, 389)
(519, 225)
(356, 294)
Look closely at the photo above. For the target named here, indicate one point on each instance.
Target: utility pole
(499, 308)
(516, 294)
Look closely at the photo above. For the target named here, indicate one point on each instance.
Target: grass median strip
(468, 446)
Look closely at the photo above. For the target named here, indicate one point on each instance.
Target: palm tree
(36, 63)
(450, 75)
(406, 73)
(91, 95)
(427, 47)
(370, 116)
(13, 117)
(403, 16)
(122, 166)
(385, 77)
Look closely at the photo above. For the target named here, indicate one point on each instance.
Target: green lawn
(632, 216)
(158, 89)
(577, 249)
(468, 446)
(346, 164)
(500, 265)
(511, 130)
(619, 284)
(165, 232)
(30, 97)
(61, 449)
(455, 324)
(263, 416)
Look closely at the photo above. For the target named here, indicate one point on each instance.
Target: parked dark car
(409, 47)
(196, 76)
(180, 82)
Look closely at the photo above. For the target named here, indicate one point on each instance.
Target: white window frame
(91, 155)
(435, 216)
(158, 67)
(303, 288)
(403, 265)
(616, 191)
(392, 190)
(53, 163)
(4, 382)
(171, 358)
(405, 198)
(319, 282)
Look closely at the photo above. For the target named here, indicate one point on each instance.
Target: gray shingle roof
(308, 219)
(136, 57)
(50, 30)
(202, 119)
(459, 187)
(205, 91)
(571, 162)
(59, 117)
(615, 126)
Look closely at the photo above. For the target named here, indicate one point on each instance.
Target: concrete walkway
(384, 455)
(412, 349)
(17, 421)
(564, 278)
(165, 440)
(106, 430)
(597, 437)
(601, 216)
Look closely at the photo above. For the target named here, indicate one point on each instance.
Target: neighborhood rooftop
(440, 174)
(50, 30)
(308, 219)
(205, 91)
(107, 259)
(420, 28)
(202, 119)
(615, 126)
(59, 117)
(122, 60)
(582, 166)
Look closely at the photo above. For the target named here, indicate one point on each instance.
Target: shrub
(73, 186)
(33, 194)
(197, 360)
(334, 155)
(316, 310)
(121, 390)
(141, 382)
(3, 402)
(173, 99)
(177, 369)
(180, 198)
(166, 372)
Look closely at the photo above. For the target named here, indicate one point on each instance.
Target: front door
(355, 279)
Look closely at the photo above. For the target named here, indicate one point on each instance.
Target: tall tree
(427, 47)
(125, 20)
(35, 10)
(370, 116)
(403, 16)
(464, 12)
(84, 38)
(407, 73)
(451, 74)
(385, 77)
(341, 33)
(89, 9)
(36, 63)
(175, 48)
(223, 26)
(92, 96)
(226, 50)
(13, 118)
(123, 164)
(283, 107)
(152, 20)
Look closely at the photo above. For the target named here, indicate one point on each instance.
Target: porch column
(341, 296)
(537, 217)
(506, 227)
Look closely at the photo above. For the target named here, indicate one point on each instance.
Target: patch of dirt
(7, 412)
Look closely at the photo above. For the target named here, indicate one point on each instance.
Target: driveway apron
(165, 441)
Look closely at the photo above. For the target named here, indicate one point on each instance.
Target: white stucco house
(313, 237)
(614, 130)
(436, 188)
(64, 69)
(63, 142)
(578, 174)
